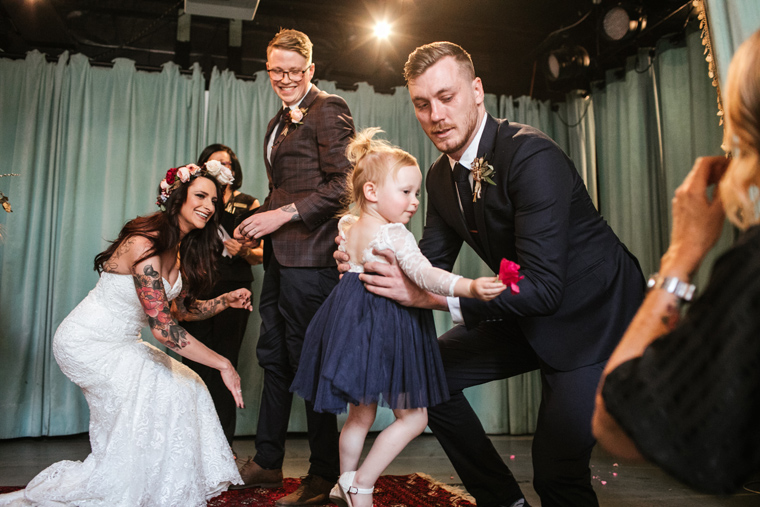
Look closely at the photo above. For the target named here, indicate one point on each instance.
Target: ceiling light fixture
(232, 9)
(566, 63)
(622, 21)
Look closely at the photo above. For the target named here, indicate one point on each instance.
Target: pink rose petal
(509, 275)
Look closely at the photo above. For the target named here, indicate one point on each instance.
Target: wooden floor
(617, 484)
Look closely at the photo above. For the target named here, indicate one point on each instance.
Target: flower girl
(362, 349)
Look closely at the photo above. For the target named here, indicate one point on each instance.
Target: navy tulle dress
(363, 348)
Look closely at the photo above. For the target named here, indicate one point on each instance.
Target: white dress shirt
(468, 157)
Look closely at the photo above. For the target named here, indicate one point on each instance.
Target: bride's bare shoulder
(127, 253)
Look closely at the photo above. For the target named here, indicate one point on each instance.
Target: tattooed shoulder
(112, 264)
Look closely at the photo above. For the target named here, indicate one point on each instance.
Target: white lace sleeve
(416, 266)
(345, 223)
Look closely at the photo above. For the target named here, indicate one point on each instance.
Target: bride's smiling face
(199, 206)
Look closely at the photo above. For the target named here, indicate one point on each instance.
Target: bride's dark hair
(198, 250)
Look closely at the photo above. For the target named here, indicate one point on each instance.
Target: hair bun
(364, 143)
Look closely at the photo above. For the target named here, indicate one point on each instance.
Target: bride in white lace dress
(154, 433)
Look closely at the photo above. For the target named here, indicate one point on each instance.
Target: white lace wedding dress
(155, 436)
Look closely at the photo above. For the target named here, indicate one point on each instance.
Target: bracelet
(680, 289)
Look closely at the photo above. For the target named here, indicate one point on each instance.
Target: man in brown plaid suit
(305, 147)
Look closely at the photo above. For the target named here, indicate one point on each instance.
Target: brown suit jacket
(309, 168)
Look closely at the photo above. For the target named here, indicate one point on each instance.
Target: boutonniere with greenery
(481, 171)
(296, 115)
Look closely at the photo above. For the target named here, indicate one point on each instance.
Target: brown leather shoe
(256, 477)
(314, 490)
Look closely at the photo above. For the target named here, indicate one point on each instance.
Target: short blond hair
(424, 57)
(292, 40)
(742, 133)
(373, 160)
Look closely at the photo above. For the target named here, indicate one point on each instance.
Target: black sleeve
(691, 402)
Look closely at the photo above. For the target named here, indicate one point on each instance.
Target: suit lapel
(288, 129)
(485, 149)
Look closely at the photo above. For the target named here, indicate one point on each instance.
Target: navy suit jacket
(581, 285)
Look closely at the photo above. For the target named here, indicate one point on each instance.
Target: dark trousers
(222, 333)
(289, 299)
(562, 443)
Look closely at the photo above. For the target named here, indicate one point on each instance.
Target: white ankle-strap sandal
(341, 491)
(362, 491)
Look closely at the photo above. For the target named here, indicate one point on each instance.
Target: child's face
(397, 197)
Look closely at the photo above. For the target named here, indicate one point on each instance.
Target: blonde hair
(373, 160)
(292, 40)
(742, 133)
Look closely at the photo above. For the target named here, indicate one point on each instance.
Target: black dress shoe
(314, 490)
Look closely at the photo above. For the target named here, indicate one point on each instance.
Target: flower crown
(176, 176)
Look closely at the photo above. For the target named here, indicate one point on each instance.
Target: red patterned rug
(415, 490)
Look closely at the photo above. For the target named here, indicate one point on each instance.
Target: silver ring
(240, 390)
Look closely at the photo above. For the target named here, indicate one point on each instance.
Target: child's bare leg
(389, 443)
(353, 434)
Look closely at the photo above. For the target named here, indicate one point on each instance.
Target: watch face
(652, 282)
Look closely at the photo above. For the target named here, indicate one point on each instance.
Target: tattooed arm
(150, 290)
(204, 309)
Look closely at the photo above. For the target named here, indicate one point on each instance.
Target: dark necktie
(462, 182)
(282, 121)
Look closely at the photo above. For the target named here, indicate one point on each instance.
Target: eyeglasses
(294, 75)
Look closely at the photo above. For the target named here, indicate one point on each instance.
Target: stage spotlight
(382, 30)
(622, 21)
(566, 63)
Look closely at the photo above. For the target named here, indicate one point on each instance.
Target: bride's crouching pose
(155, 436)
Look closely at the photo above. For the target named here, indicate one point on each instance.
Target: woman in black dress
(224, 333)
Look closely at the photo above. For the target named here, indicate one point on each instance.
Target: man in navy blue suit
(581, 285)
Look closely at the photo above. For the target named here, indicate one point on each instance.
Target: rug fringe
(461, 493)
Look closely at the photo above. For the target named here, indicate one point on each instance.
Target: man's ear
(477, 90)
(370, 191)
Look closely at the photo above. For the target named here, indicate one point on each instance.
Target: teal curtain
(730, 22)
(90, 145)
(638, 174)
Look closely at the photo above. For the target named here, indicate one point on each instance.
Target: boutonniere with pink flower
(509, 274)
(481, 171)
(295, 116)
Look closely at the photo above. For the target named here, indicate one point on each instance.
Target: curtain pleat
(636, 184)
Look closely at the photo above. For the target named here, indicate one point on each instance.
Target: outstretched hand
(697, 219)
(486, 288)
(231, 379)
(240, 298)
